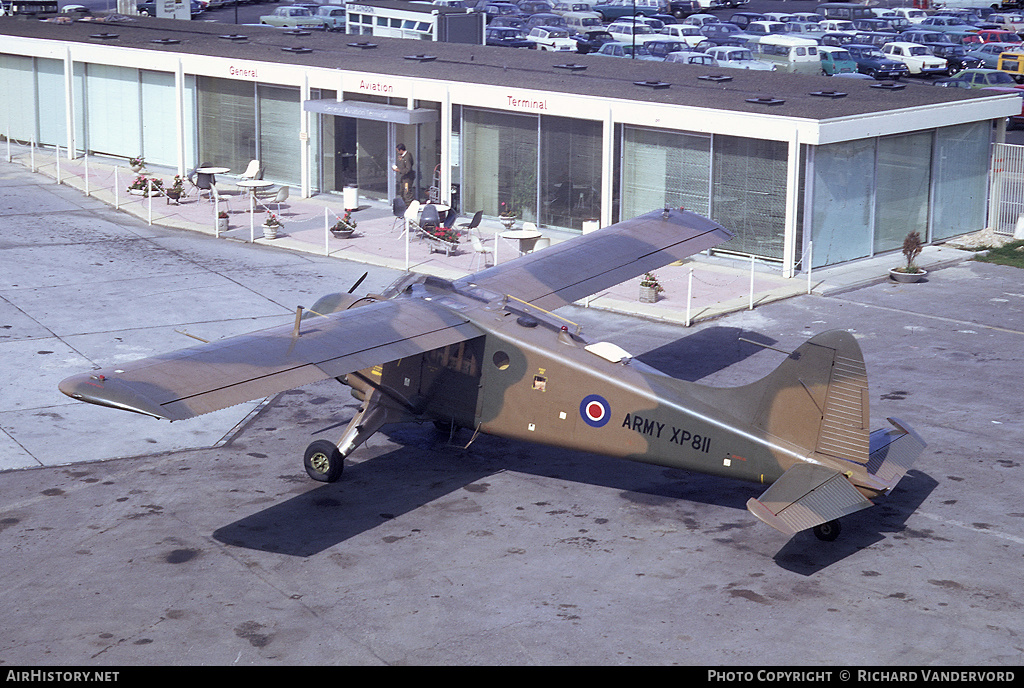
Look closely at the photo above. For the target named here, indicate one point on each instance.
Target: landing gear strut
(827, 531)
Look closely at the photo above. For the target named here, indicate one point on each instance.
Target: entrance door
(373, 158)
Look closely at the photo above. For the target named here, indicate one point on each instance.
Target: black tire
(828, 532)
(323, 461)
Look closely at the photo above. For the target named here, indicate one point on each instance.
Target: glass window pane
(52, 116)
(961, 179)
(901, 196)
(16, 73)
(662, 168)
(159, 125)
(500, 160)
(112, 110)
(570, 171)
(749, 193)
(843, 181)
(227, 122)
(279, 147)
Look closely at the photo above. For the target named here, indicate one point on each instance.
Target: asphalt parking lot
(131, 542)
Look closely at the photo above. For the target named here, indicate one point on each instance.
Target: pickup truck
(292, 17)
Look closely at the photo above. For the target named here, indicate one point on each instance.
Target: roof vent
(234, 37)
(652, 84)
(888, 86)
(299, 50)
(421, 58)
(166, 41)
(295, 32)
(103, 36)
(572, 67)
(765, 101)
(828, 94)
(715, 77)
(362, 44)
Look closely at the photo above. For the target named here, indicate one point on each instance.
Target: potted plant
(506, 216)
(344, 227)
(650, 287)
(136, 164)
(140, 186)
(442, 239)
(270, 226)
(175, 190)
(222, 221)
(912, 246)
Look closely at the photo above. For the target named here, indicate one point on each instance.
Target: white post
(689, 296)
(216, 218)
(327, 234)
(86, 155)
(32, 154)
(149, 196)
(252, 221)
(117, 189)
(751, 283)
(407, 244)
(57, 158)
(810, 261)
(9, 142)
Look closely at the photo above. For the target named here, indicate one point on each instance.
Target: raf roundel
(595, 411)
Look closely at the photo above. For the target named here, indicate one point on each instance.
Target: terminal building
(562, 140)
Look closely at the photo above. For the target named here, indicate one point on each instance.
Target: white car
(838, 26)
(918, 58)
(626, 32)
(684, 33)
(737, 58)
(551, 38)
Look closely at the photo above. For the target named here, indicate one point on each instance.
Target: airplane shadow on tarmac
(427, 467)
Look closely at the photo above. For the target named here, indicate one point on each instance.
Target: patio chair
(281, 197)
(252, 171)
(398, 208)
(479, 251)
(474, 223)
(412, 216)
(220, 199)
(204, 182)
(429, 216)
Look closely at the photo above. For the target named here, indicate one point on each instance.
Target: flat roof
(777, 94)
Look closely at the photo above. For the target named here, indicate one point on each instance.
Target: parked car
(501, 9)
(332, 17)
(582, 21)
(507, 37)
(610, 10)
(701, 19)
(1011, 21)
(875, 38)
(998, 36)
(620, 49)
(956, 57)
(741, 19)
(662, 47)
(978, 78)
(723, 34)
(700, 59)
(737, 58)
(805, 29)
(1012, 62)
(989, 53)
(873, 62)
(836, 60)
(688, 34)
(551, 38)
(630, 32)
(764, 28)
(865, 24)
(564, 8)
(917, 58)
(591, 41)
(684, 8)
(838, 26)
(534, 6)
(545, 19)
(292, 17)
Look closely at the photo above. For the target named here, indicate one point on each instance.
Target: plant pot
(222, 224)
(507, 221)
(906, 277)
(270, 231)
(137, 192)
(342, 233)
(137, 168)
(648, 294)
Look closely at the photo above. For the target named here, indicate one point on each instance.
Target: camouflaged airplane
(485, 353)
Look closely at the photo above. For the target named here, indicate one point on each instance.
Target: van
(788, 53)
(835, 60)
(578, 22)
(844, 10)
(1012, 63)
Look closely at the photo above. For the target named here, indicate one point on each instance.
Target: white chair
(412, 216)
(529, 227)
(252, 171)
(479, 251)
(542, 242)
(219, 198)
(281, 197)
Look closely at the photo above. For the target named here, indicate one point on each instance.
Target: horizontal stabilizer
(893, 452)
(805, 496)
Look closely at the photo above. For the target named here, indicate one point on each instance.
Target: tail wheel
(323, 461)
(827, 532)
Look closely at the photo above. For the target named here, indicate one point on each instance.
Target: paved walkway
(716, 284)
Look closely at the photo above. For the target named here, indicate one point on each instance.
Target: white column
(69, 103)
(792, 198)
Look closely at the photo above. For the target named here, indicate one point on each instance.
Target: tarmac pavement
(135, 542)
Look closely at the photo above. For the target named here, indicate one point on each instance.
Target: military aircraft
(486, 353)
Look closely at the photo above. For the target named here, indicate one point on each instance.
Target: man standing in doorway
(406, 175)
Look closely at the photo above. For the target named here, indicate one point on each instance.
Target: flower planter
(222, 224)
(648, 294)
(906, 277)
(342, 233)
(507, 220)
(270, 231)
(440, 245)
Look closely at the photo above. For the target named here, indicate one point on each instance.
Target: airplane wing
(231, 371)
(572, 270)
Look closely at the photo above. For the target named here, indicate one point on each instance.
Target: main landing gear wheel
(827, 531)
(323, 461)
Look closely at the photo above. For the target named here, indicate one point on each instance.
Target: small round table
(526, 237)
(253, 185)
